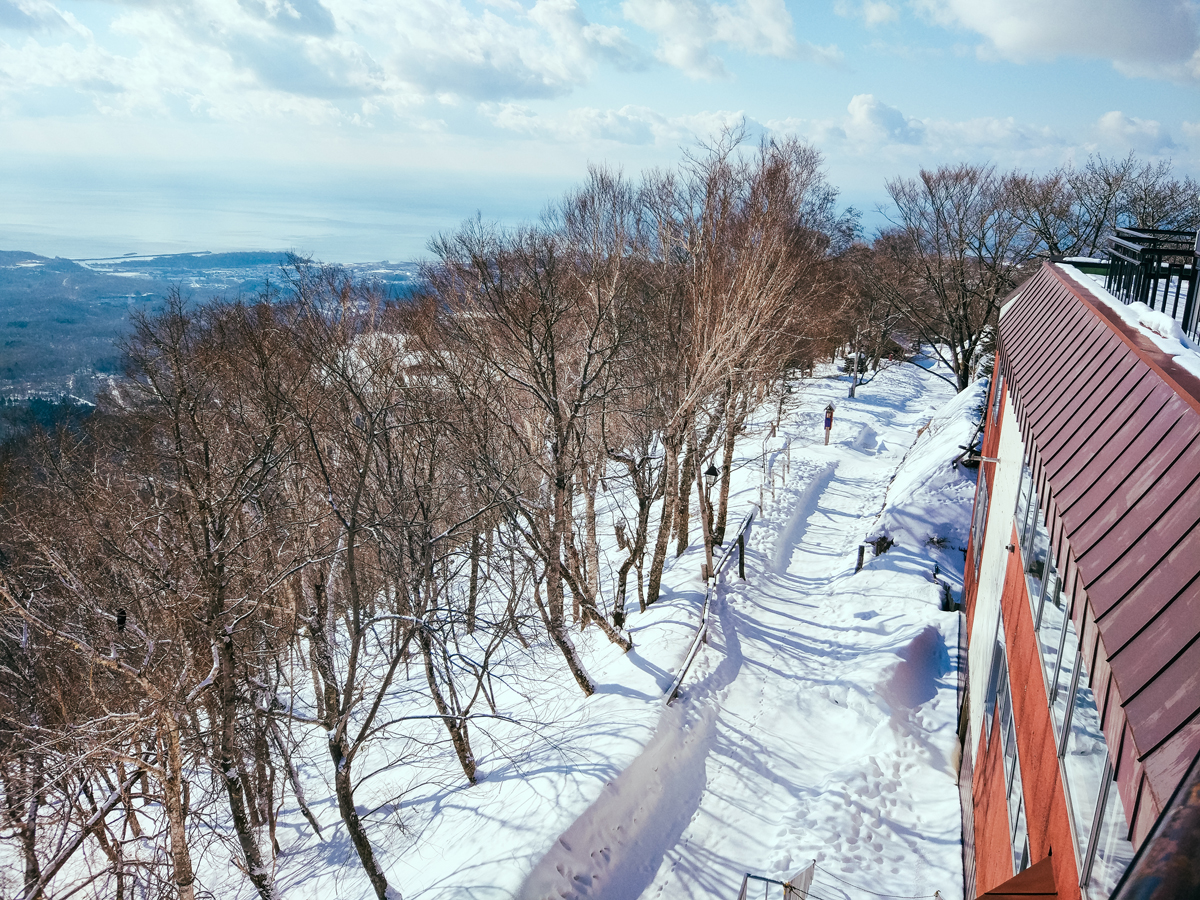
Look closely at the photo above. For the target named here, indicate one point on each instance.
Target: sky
(355, 130)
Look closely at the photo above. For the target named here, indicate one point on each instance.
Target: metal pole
(708, 554)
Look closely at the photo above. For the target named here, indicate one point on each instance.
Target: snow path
(820, 720)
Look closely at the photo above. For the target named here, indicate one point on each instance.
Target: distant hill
(60, 319)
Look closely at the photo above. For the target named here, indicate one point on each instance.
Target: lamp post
(704, 483)
(711, 475)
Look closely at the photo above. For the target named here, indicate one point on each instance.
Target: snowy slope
(817, 723)
(820, 721)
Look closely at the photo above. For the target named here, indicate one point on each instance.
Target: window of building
(1062, 673)
(1049, 594)
(1096, 812)
(998, 391)
(1111, 853)
(1094, 805)
(1024, 495)
(979, 524)
(998, 674)
(1036, 552)
(1050, 618)
(1041, 573)
(999, 699)
(1084, 755)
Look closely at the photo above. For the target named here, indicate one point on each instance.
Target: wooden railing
(701, 635)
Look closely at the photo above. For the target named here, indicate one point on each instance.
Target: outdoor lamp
(711, 475)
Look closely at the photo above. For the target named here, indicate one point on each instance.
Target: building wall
(984, 598)
(1045, 802)
(993, 852)
(1116, 424)
(1111, 429)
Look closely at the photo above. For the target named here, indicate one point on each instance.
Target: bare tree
(1073, 211)
(957, 250)
(738, 250)
(530, 323)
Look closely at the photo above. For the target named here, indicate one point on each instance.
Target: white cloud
(442, 47)
(688, 30)
(1121, 131)
(1144, 37)
(872, 12)
(323, 59)
(871, 121)
(872, 129)
(38, 16)
(627, 125)
(869, 129)
(876, 13)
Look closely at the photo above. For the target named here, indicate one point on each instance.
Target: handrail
(702, 629)
(1158, 269)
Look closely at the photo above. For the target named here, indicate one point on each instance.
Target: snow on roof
(1160, 328)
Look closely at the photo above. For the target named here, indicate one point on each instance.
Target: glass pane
(979, 524)
(989, 702)
(1003, 701)
(1010, 753)
(1023, 501)
(1060, 691)
(1050, 586)
(1020, 842)
(1031, 517)
(1014, 781)
(1054, 612)
(1084, 760)
(1035, 558)
(1113, 852)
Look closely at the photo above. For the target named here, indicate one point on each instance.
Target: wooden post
(742, 555)
(861, 550)
(704, 523)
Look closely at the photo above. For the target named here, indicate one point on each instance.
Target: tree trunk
(473, 587)
(670, 495)
(683, 490)
(732, 427)
(343, 785)
(181, 861)
(229, 768)
(592, 614)
(554, 587)
(636, 548)
(293, 775)
(28, 825)
(455, 725)
(592, 543)
(567, 545)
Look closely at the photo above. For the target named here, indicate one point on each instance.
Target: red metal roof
(1116, 426)
(1036, 881)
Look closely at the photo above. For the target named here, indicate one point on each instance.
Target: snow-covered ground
(817, 723)
(820, 721)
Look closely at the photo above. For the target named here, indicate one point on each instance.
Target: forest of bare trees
(961, 237)
(324, 512)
